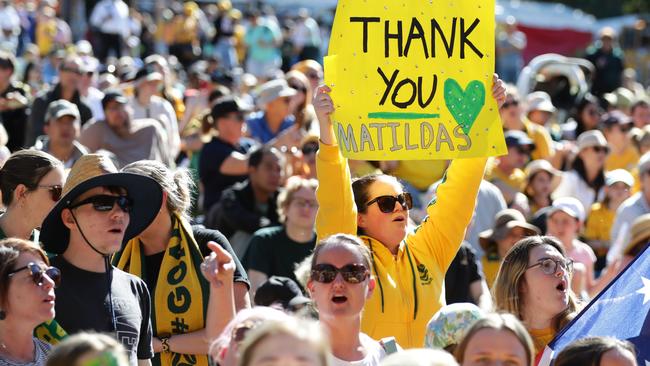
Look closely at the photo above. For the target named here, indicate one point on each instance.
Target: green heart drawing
(464, 105)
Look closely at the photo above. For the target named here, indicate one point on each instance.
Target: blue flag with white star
(621, 310)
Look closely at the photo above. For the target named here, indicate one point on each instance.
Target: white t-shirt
(374, 356)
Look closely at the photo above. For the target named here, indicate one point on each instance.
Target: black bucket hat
(95, 170)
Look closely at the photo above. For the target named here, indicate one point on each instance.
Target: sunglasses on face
(510, 103)
(37, 273)
(309, 149)
(55, 191)
(550, 266)
(351, 273)
(387, 203)
(299, 88)
(105, 203)
(313, 75)
(600, 149)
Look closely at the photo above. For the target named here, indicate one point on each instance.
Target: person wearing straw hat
(618, 185)
(541, 180)
(510, 226)
(100, 210)
(586, 179)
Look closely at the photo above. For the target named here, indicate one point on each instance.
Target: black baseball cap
(225, 105)
(282, 290)
(518, 138)
(113, 95)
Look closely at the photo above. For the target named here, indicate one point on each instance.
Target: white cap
(569, 205)
(619, 175)
(540, 101)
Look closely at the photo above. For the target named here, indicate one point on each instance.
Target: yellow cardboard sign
(412, 79)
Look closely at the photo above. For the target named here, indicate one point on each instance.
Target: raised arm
(337, 212)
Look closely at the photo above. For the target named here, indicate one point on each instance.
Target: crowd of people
(173, 193)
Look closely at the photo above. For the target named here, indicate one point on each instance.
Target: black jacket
(37, 116)
(237, 210)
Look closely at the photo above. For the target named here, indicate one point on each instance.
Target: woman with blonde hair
(533, 284)
(496, 338)
(27, 285)
(291, 342)
(87, 348)
(170, 243)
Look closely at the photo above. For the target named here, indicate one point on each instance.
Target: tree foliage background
(607, 8)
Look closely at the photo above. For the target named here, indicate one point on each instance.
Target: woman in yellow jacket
(409, 266)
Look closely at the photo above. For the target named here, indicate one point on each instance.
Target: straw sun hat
(91, 171)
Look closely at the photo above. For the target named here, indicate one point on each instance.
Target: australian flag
(621, 310)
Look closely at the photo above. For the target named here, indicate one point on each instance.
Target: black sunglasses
(550, 266)
(387, 203)
(55, 191)
(309, 149)
(105, 203)
(600, 149)
(351, 273)
(301, 89)
(509, 104)
(37, 273)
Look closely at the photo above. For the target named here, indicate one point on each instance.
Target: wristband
(165, 344)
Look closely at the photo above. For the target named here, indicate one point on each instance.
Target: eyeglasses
(303, 203)
(313, 75)
(510, 103)
(37, 273)
(351, 273)
(309, 149)
(73, 70)
(550, 266)
(600, 149)
(105, 203)
(55, 191)
(387, 203)
(625, 128)
(299, 88)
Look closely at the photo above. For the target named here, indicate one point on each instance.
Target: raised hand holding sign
(409, 79)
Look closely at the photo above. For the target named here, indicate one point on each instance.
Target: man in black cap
(224, 160)
(100, 210)
(128, 138)
(507, 171)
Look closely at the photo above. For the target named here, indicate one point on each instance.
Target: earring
(3, 315)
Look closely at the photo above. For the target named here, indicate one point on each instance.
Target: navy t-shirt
(213, 154)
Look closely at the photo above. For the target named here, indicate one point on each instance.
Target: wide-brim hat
(272, 90)
(95, 170)
(639, 233)
(541, 165)
(504, 221)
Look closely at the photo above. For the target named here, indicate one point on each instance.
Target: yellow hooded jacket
(410, 286)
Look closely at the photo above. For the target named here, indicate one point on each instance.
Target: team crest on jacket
(425, 278)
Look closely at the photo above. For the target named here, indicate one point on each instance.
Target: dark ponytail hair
(26, 167)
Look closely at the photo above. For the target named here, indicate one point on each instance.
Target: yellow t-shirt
(421, 173)
(541, 337)
(541, 138)
(514, 180)
(628, 160)
(490, 269)
(598, 226)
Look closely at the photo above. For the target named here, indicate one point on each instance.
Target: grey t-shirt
(41, 350)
